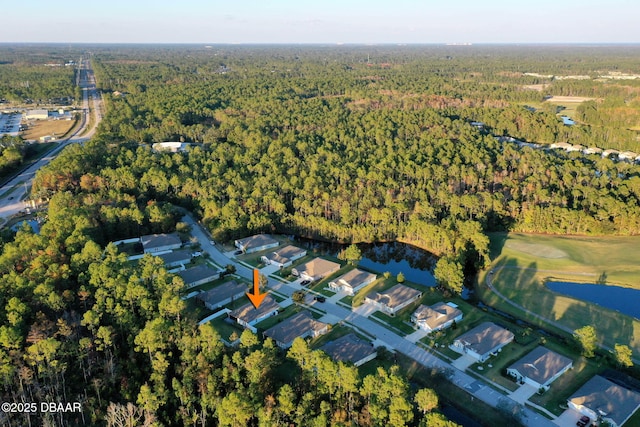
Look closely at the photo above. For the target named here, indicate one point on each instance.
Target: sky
(326, 21)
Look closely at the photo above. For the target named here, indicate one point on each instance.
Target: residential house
(198, 275)
(601, 398)
(175, 258)
(284, 257)
(173, 147)
(301, 325)
(315, 269)
(160, 242)
(628, 155)
(352, 281)
(436, 317)
(592, 150)
(350, 348)
(223, 294)
(482, 341)
(248, 315)
(610, 152)
(394, 299)
(256, 243)
(540, 368)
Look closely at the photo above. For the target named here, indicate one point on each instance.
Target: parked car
(195, 254)
(212, 242)
(320, 298)
(305, 282)
(238, 252)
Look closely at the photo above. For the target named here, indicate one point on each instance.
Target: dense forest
(348, 144)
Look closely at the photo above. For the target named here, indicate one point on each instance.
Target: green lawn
(522, 264)
(395, 321)
(224, 328)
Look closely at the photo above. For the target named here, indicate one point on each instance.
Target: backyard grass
(49, 127)
(224, 328)
(397, 322)
(522, 264)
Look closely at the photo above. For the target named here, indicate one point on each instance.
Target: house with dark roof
(160, 242)
(248, 315)
(352, 282)
(482, 341)
(600, 398)
(436, 317)
(256, 243)
(316, 269)
(175, 258)
(350, 348)
(198, 275)
(222, 294)
(540, 368)
(301, 325)
(394, 299)
(284, 257)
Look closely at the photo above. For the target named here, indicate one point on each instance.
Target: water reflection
(624, 300)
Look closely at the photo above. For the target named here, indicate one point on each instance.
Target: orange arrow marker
(256, 297)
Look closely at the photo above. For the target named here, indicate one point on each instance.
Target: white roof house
(540, 367)
(352, 281)
(316, 269)
(436, 317)
(600, 397)
(256, 243)
(481, 341)
(394, 299)
(284, 257)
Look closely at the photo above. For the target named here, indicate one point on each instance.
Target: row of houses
(599, 398)
(621, 155)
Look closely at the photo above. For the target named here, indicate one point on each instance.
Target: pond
(35, 226)
(567, 121)
(624, 300)
(394, 257)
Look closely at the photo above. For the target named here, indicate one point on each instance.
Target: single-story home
(350, 348)
(284, 257)
(160, 242)
(175, 258)
(256, 243)
(540, 368)
(316, 269)
(394, 299)
(436, 317)
(482, 341)
(627, 155)
(352, 281)
(600, 397)
(592, 150)
(299, 325)
(223, 294)
(198, 275)
(248, 315)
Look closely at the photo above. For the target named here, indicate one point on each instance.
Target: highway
(13, 202)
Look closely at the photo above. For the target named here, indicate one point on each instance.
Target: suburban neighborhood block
(256, 243)
(315, 269)
(540, 368)
(394, 299)
(198, 275)
(350, 348)
(160, 242)
(223, 294)
(436, 317)
(481, 341)
(284, 257)
(352, 281)
(299, 325)
(601, 397)
(248, 315)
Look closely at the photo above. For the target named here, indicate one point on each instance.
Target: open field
(569, 99)
(48, 127)
(520, 273)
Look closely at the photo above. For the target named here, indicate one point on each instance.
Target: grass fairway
(522, 263)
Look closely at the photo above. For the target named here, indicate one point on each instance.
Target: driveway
(568, 418)
(463, 362)
(523, 393)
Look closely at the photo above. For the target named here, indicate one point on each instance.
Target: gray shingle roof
(437, 314)
(222, 292)
(297, 325)
(607, 398)
(541, 364)
(348, 348)
(248, 313)
(285, 254)
(257, 241)
(197, 273)
(175, 256)
(158, 240)
(395, 296)
(485, 337)
(355, 277)
(318, 267)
